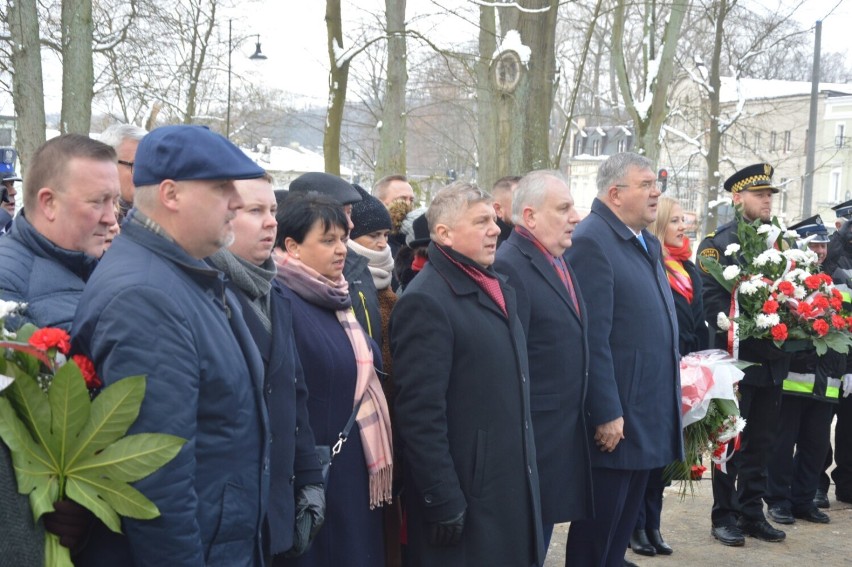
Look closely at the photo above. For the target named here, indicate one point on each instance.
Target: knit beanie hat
(368, 215)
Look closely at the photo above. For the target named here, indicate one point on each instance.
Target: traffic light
(663, 179)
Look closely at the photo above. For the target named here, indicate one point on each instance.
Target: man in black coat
(554, 319)
(462, 402)
(738, 493)
(634, 388)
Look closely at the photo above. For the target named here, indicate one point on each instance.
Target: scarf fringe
(381, 491)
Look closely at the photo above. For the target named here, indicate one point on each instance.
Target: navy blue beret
(185, 153)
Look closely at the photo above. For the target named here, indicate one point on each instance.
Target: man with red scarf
(738, 493)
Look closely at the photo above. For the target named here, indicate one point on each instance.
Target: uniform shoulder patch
(711, 235)
(708, 252)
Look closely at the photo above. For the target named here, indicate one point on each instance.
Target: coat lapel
(547, 271)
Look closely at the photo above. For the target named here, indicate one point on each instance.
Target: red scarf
(679, 279)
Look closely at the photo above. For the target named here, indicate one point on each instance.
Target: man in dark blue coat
(554, 319)
(296, 483)
(154, 307)
(633, 404)
(57, 238)
(462, 399)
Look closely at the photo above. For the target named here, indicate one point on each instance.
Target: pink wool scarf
(373, 417)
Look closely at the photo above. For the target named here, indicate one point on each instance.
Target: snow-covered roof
(772, 88)
(293, 159)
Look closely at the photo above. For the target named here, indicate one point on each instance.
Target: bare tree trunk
(649, 113)
(488, 142)
(338, 77)
(714, 140)
(27, 83)
(391, 158)
(78, 76)
(538, 32)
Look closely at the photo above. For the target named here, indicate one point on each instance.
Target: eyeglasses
(644, 186)
(127, 163)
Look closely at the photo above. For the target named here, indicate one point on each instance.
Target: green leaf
(56, 554)
(821, 346)
(43, 497)
(838, 341)
(131, 458)
(32, 464)
(32, 406)
(726, 407)
(69, 409)
(112, 413)
(123, 498)
(25, 332)
(84, 493)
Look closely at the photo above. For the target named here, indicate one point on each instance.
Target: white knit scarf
(380, 263)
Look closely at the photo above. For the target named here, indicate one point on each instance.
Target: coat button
(529, 470)
(292, 479)
(297, 430)
(269, 389)
(523, 378)
(526, 424)
(427, 498)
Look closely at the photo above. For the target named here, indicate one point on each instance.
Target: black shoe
(639, 543)
(728, 535)
(781, 515)
(761, 529)
(813, 515)
(657, 541)
(821, 499)
(843, 497)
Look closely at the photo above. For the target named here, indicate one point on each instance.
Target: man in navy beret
(154, 307)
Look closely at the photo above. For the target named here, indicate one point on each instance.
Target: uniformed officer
(810, 393)
(738, 494)
(838, 264)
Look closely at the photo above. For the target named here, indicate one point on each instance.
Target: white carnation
(9, 307)
(731, 272)
(764, 228)
(723, 322)
(797, 274)
(796, 255)
(732, 249)
(799, 293)
(772, 256)
(791, 234)
(764, 321)
(748, 288)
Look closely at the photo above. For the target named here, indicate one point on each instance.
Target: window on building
(773, 140)
(840, 135)
(756, 147)
(834, 191)
(578, 145)
(788, 141)
(596, 148)
(622, 146)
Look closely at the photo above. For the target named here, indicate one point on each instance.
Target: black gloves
(831, 364)
(70, 521)
(447, 532)
(310, 514)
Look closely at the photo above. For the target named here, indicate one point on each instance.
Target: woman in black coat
(338, 358)
(693, 335)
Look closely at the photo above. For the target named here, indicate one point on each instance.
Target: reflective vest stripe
(799, 383)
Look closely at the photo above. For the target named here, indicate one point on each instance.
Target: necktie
(641, 240)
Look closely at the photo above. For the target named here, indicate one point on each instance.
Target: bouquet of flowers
(778, 292)
(65, 444)
(710, 414)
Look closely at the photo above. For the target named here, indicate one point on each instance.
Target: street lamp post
(257, 55)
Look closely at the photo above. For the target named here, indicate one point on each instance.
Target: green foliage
(64, 444)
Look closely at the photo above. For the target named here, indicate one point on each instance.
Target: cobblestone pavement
(686, 527)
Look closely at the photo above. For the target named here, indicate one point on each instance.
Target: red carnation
(835, 303)
(826, 278)
(821, 327)
(820, 301)
(804, 309)
(770, 306)
(87, 369)
(786, 288)
(838, 322)
(836, 294)
(779, 332)
(697, 471)
(51, 337)
(813, 282)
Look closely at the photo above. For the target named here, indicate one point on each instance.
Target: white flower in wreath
(791, 234)
(764, 321)
(732, 249)
(722, 322)
(772, 256)
(9, 307)
(797, 274)
(731, 272)
(748, 287)
(799, 293)
(796, 255)
(764, 229)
